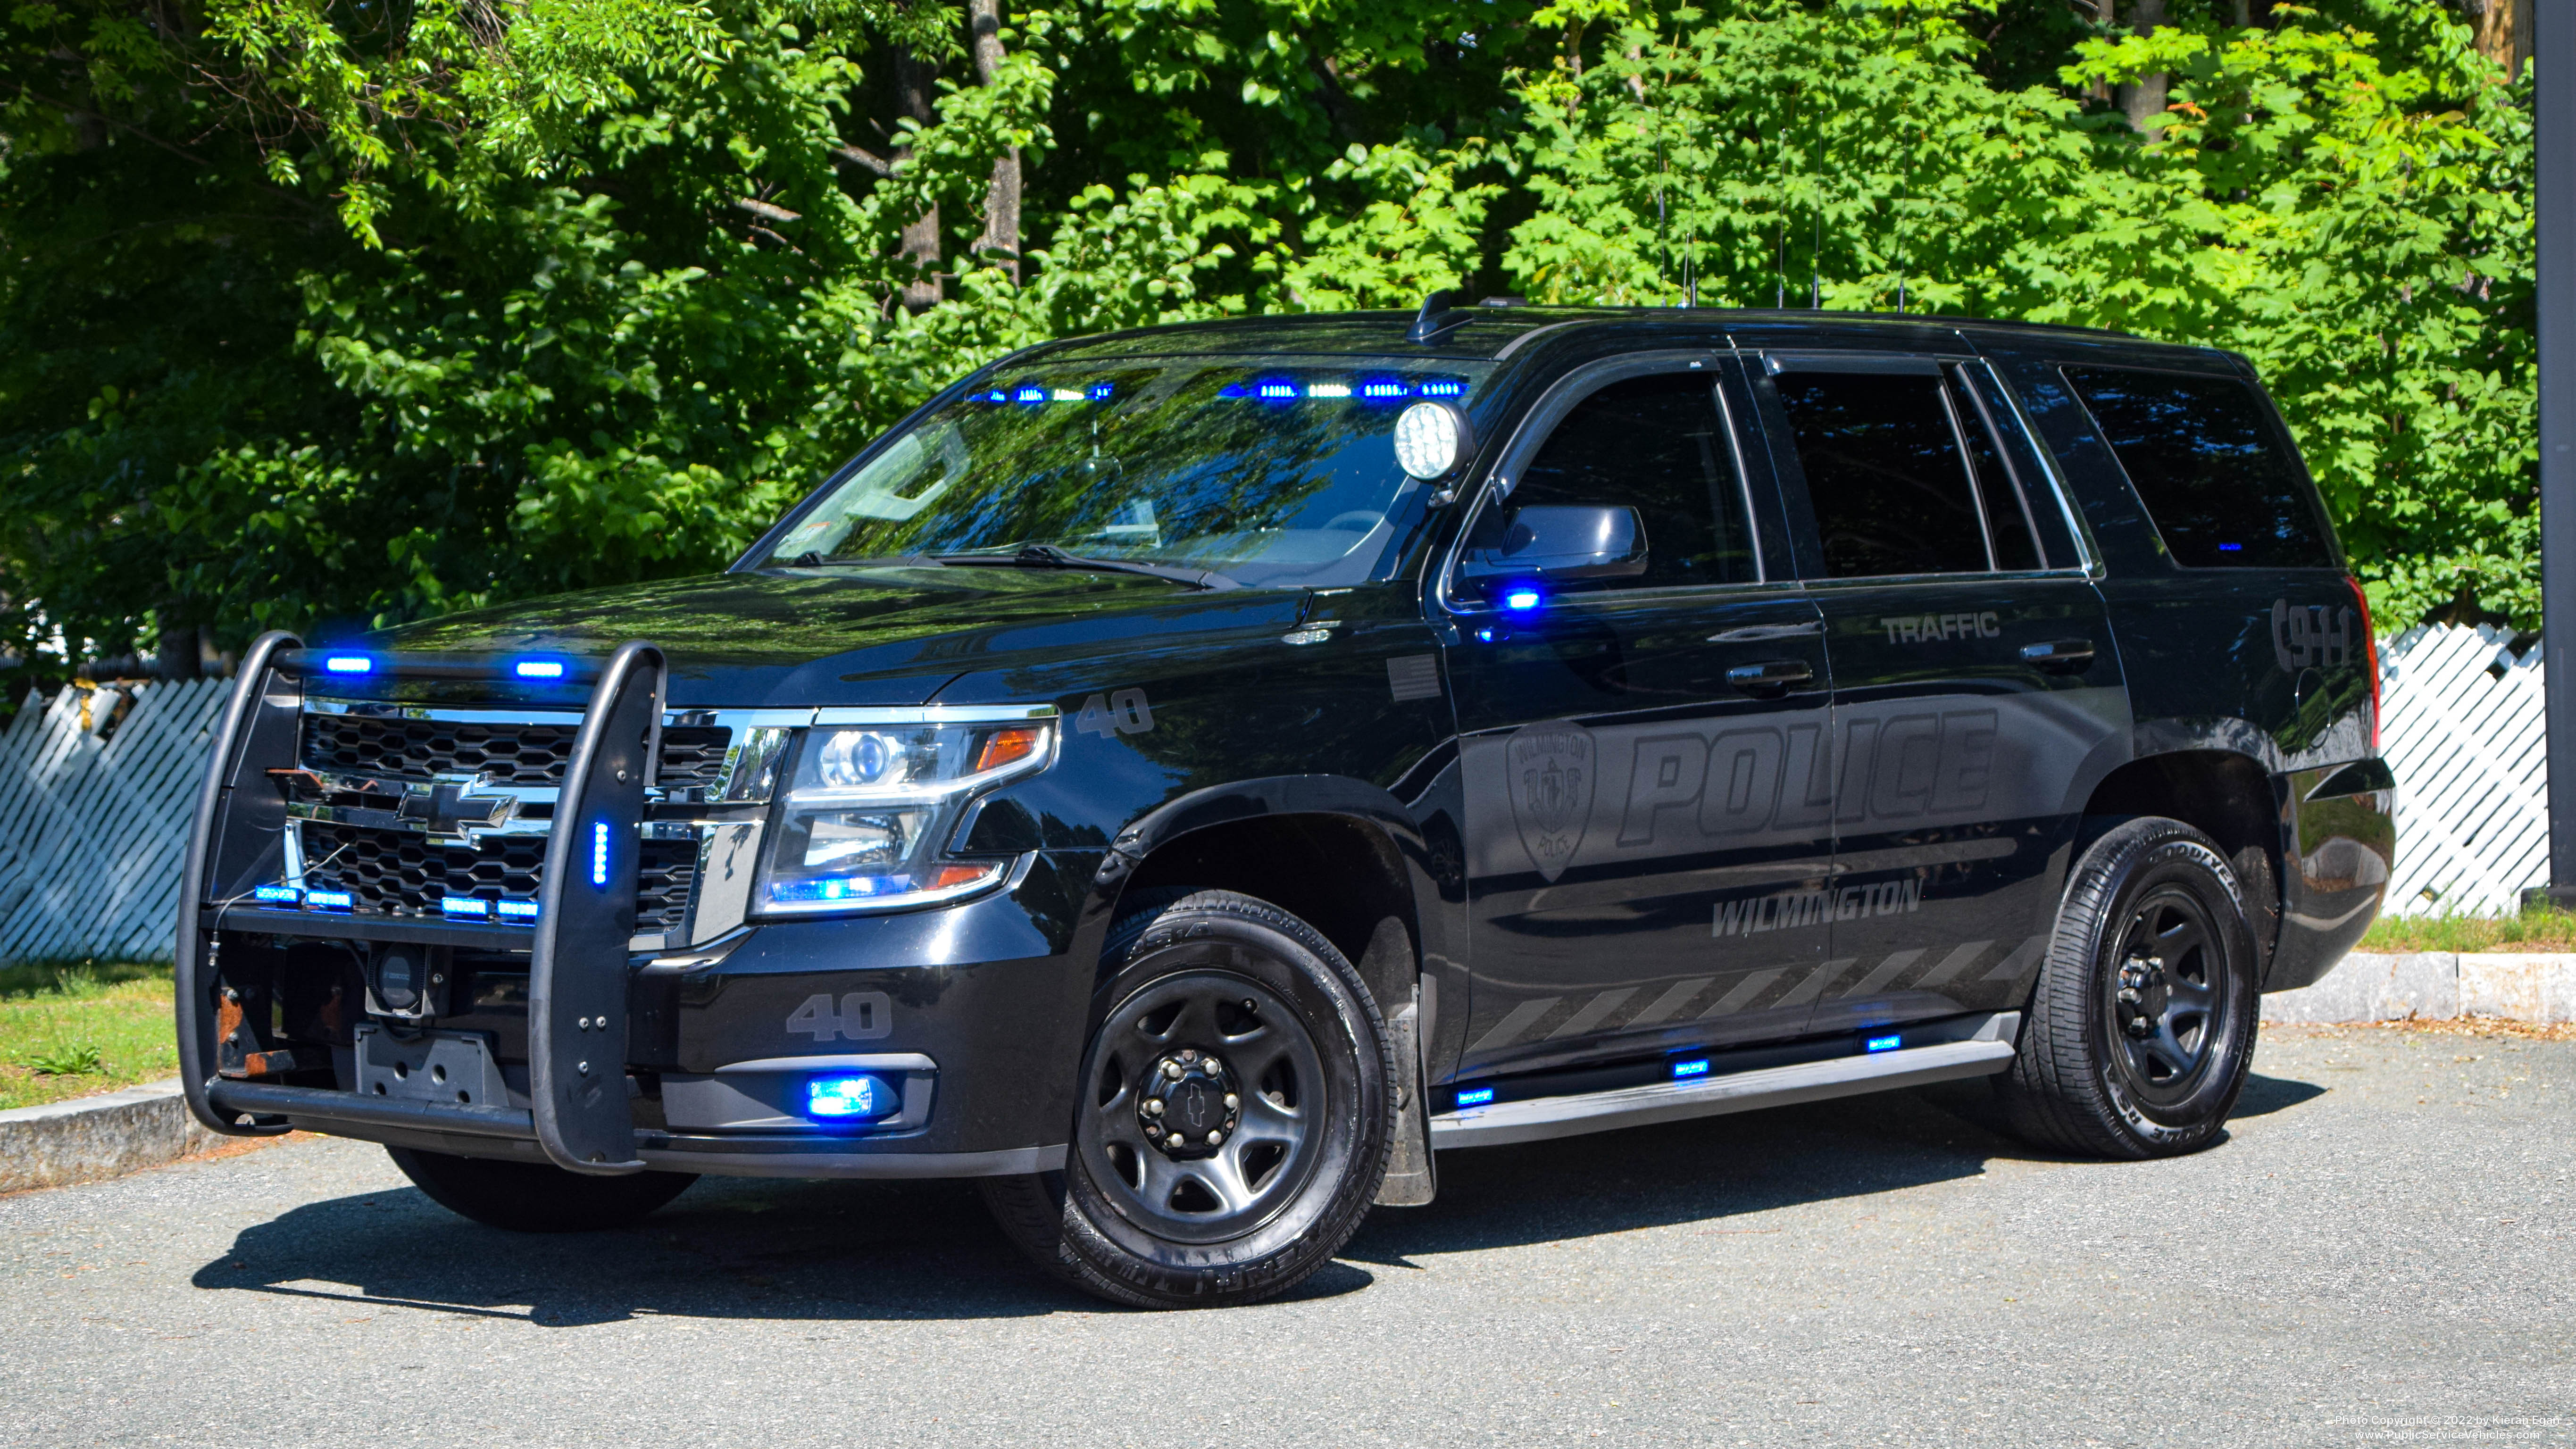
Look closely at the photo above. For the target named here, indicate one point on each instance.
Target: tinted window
(1884, 472)
(1655, 444)
(2008, 525)
(2216, 476)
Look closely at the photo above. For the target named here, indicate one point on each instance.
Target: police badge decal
(1550, 774)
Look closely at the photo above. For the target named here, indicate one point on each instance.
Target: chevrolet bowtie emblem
(445, 809)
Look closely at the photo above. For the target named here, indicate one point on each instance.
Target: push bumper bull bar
(577, 982)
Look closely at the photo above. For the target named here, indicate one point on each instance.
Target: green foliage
(323, 315)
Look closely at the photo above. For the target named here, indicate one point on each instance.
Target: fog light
(849, 1099)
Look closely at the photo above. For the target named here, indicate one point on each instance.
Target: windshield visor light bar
(1374, 389)
(857, 1098)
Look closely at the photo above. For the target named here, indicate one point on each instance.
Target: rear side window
(2217, 477)
(1892, 490)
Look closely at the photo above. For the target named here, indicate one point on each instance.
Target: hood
(879, 636)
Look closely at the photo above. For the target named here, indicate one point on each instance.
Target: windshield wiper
(1048, 556)
(813, 560)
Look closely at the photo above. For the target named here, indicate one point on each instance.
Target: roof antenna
(1815, 259)
(1900, 294)
(1434, 320)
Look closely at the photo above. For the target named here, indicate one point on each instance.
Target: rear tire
(1232, 1118)
(2141, 1028)
(532, 1197)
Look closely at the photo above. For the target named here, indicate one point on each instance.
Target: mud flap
(1410, 1178)
(577, 1044)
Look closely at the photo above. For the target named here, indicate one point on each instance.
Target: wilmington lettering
(1789, 910)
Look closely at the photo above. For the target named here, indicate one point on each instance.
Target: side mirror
(1559, 543)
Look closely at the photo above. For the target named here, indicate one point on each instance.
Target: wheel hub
(1189, 1104)
(2145, 992)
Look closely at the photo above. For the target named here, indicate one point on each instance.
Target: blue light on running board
(1521, 599)
(844, 1098)
(278, 895)
(1476, 1098)
(538, 669)
(518, 910)
(464, 907)
(599, 853)
(1696, 1067)
(327, 901)
(348, 664)
(1883, 1043)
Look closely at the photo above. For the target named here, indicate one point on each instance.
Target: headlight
(873, 804)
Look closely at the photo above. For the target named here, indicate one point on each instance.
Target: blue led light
(327, 901)
(278, 895)
(538, 669)
(1695, 1067)
(2231, 548)
(518, 910)
(1029, 395)
(1521, 599)
(1100, 392)
(841, 1099)
(348, 664)
(995, 396)
(1443, 389)
(1883, 1043)
(839, 888)
(1384, 389)
(599, 853)
(1276, 391)
(1475, 1096)
(464, 907)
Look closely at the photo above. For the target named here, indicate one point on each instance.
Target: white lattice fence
(95, 792)
(2465, 730)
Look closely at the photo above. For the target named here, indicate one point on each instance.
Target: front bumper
(975, 1008)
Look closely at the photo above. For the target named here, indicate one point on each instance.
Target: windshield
(1267, 472)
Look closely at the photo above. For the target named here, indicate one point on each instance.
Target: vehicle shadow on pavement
(821, 1252)
(1720, 1168)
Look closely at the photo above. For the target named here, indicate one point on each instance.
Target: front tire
(1233, 1113)
(2141, 1028)
(536, 1197)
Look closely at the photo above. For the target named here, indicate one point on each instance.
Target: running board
(1540, 1118)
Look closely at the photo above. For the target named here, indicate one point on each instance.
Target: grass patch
(2537, 930)
(71, 1030)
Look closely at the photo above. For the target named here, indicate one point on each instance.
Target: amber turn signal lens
(1002, 747)
(949, 877)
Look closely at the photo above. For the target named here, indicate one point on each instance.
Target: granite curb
(2436, 986)
(94, 1137)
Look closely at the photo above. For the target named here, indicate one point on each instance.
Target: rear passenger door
(1975, 684)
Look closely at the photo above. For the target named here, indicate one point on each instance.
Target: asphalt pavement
(2382, 1252)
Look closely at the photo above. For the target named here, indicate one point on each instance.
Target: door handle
(2067, 654)
(1770, 674)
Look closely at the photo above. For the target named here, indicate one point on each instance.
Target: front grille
(505, 753)
(397, 872)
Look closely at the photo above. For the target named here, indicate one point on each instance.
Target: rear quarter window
(2215, 473)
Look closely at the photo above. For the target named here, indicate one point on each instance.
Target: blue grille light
(348, 664)
(599, 853)
(518, 910)
(538, 669)
(278, 895)
(1521, 599)
(327, 901)
(466, 907)
(1695, 1067)
(1475, 1096)
(1883, 1043)
(844, 1098)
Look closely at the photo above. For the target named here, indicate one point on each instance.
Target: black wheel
(1233, 1116)
(2142, 1026)
(534, 1197)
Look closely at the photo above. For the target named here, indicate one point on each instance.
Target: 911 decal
(861, 1016)
(1122, 713)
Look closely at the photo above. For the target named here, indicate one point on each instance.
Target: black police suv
(1185, 778)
